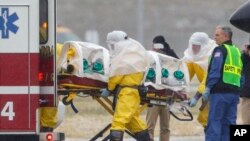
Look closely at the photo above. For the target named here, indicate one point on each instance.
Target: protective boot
(116, 135)
(142, 135)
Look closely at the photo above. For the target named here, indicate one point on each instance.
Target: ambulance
(27, 68)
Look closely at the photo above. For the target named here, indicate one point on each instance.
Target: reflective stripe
(13, 89)
(239, 59)
(22, 133)
(229, 54)
(42, 90)
(232, 69)
(25, 90)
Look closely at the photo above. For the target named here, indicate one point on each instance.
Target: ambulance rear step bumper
(46, 136)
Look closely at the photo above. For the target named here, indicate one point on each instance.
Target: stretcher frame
(70, 91)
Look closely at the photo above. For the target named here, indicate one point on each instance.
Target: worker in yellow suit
(49, 118)
(128, 65)
(197, 56)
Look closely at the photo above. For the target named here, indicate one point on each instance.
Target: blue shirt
(215, 68)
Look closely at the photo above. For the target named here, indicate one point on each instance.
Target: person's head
(160, 44)
(222, 34)
(113, 38)
(198, 40)
(247, 46)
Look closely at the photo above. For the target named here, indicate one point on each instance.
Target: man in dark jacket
(245, 92)
(161, 46)
(223, 86)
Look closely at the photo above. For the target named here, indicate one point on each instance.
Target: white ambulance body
(27, 72)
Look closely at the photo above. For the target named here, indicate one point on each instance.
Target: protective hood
(113, 38)
(207, 46)
(116, 36)
(130, 57)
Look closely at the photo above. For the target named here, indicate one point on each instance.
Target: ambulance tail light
(41, 76)
(49, 137)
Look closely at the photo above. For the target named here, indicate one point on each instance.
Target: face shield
(198, 42)
(199, 49)
(112, 39)
(111, 47)
(196, 49)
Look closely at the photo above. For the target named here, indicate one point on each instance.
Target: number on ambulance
(7, 110)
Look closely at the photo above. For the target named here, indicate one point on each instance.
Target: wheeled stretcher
(83, 69)
(167, 79)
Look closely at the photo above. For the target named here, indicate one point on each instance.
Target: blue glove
(206, 94)
(193, 102)
(195, 99)
(104, 92)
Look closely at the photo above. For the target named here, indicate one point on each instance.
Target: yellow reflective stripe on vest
(229, 54)
(239, 59)
(232, 69)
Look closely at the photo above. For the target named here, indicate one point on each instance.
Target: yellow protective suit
(195, 69)
(126, 113)
(58, 50)
(48, 115)
(128, 64)
(197, 62)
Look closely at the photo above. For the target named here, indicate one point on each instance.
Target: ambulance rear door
(19, 66)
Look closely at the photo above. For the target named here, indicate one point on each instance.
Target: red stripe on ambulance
(11, 118)
(16, 73)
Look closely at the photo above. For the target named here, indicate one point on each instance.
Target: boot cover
(116, 135)
(142, 135)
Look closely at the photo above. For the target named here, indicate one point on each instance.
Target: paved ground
(185, 138)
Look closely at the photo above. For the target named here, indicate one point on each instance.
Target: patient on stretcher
(83, 64)
(84, 68)
(164, 74)
(87, 65)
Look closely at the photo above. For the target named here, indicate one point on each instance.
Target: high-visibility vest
(233, 66)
